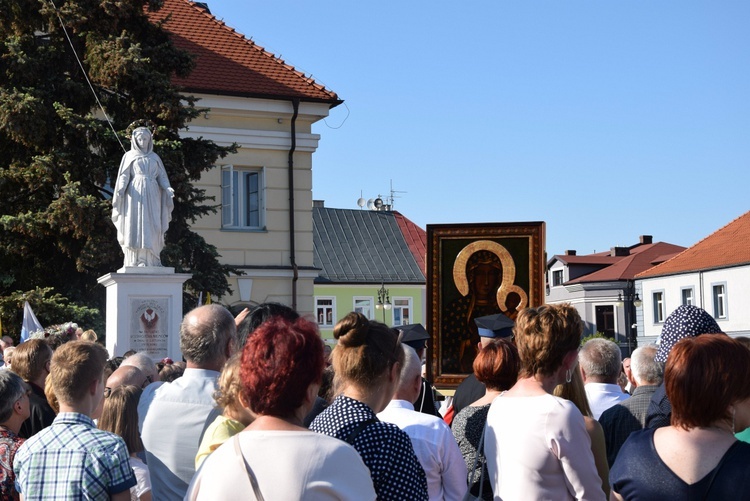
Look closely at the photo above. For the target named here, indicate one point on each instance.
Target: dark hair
(704, 376)
(120, 416)
(544, 335)
(30, 358)
(205, 332)
(260, 314)
(279, 362)
(172, 371)
(497, 364)
(365, 350)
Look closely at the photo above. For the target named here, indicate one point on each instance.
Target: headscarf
(685, 321)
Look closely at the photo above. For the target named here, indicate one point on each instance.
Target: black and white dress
(467, 428)
(385, 449)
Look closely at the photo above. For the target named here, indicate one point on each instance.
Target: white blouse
(537, 448)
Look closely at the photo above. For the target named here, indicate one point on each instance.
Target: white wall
(736, 279)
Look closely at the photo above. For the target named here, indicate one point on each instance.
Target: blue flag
(30, 323)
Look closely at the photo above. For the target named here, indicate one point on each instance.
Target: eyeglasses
(107, 391)
(147, 381)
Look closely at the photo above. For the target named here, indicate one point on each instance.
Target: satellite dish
(378, 203)
(361, 202)
(371, 204)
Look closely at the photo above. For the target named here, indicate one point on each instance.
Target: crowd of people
(259, 409)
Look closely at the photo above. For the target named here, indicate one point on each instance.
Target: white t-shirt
(288, 465)
(143, 478)
(537, 448)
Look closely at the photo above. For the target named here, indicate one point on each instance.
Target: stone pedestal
(144, 311)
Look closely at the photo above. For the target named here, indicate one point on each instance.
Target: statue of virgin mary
(142, 202)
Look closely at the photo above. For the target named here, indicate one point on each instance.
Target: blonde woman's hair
(230, 385)
(120, 416)
(89, 335)
(575, 392)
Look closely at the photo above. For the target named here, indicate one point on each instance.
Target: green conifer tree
(59, 154)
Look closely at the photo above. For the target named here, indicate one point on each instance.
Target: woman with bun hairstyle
(367, 361)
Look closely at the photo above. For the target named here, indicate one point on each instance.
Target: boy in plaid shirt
(72, 459)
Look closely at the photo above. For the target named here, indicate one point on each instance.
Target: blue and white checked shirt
(73, 460)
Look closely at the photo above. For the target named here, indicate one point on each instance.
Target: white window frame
(658, 306)
(323, 318)
(691, 297)
(400, 308)
(719, 299)
(234, 200)
(368, 310)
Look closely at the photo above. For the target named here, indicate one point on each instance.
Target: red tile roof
(641, 258)
(728, 246)
(416, 239)
(227, 63)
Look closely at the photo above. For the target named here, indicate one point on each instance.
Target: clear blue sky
(607, 119)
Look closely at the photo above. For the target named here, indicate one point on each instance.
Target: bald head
(144, 363)
(410, 378)
(207, 337)
(126, 375)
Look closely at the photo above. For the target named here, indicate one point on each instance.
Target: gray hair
(601, 359)
(205, 332)
(411, 368)
(12, 387)
(645, 369)
(144, 363)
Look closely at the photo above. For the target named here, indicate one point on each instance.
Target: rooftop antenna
(378, 204)
(393, 196)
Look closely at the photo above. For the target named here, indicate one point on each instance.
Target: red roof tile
(627, 267)
(728, 246)
(416, 239)
(227, 63)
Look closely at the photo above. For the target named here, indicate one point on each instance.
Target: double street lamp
(628, 299)
(384, 300)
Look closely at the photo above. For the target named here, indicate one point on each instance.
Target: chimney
(570, 252)
(619, 251)
(646, 239)
(320, 204)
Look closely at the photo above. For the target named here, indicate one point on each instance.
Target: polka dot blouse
(384, 448)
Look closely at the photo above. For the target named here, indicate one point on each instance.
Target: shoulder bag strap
(480, 451)
(250, 474)
(358, 429)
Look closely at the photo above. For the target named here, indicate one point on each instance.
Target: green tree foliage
(597, 335)
(58, 154)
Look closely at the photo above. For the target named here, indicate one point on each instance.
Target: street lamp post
(384, 300)
(629, 300)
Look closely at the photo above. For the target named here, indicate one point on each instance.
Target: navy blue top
(640, 474)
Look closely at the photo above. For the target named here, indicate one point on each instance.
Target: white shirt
(537, 447)
(142, 477)
(172, 418)
(435, 447)
(602, 396)
(288, 465)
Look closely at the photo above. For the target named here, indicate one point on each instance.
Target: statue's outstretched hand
(171, 191)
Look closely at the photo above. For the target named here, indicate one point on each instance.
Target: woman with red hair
(275, 457)
(707, 380)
